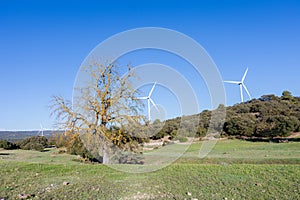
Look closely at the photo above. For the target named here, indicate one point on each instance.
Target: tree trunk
(105, 152)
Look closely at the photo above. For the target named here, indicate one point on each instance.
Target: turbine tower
(41, 131)
(149, 101)
(242, 85)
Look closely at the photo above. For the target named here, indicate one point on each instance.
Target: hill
(267, 117)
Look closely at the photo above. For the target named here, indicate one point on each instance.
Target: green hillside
(267, 117)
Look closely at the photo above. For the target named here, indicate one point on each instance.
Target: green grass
(219, 175)
(243, 152)
(49, 156)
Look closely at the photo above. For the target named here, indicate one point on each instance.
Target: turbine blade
(150, 93)
(142, 98)
(241, 91)
(153, 104)
(234, 82)
(247, 91)
(245, 74)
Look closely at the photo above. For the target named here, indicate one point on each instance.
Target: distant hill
(19, 135)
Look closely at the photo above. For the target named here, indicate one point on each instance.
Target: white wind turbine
(242, 85)
(149, 101)
(41, 131)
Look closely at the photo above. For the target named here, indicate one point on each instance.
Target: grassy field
(233, 170)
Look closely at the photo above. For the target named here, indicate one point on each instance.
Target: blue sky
(42, 44)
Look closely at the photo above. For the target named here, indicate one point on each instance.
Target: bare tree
(103, 111)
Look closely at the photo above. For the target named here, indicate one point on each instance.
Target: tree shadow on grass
(275, 140)
(4, 154)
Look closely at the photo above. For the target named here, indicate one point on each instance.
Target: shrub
(201, 132)
(76, 147)
(37, 143)
(181, 139)
(242, 124)
(127, 157)
(62, 150)
(8, 145)
(33, 146)
(62, 139)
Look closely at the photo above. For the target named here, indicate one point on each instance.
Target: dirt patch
(294, 135)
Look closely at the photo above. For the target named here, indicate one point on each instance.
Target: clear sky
(42, 44)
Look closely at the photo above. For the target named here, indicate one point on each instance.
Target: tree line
(37, 143)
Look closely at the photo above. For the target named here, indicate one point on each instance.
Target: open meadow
(234, 169)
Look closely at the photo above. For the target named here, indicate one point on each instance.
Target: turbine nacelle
(242, 85)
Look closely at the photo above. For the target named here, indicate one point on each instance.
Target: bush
(37, 143)
(76, 147)
(62, 139)
(201, 132)
(240, 124)
(127, 158)
(8, 145)
(33, 146)
(181, 139)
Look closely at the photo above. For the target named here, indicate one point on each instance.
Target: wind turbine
(242, 85)
(41, 130)
(149, 101)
